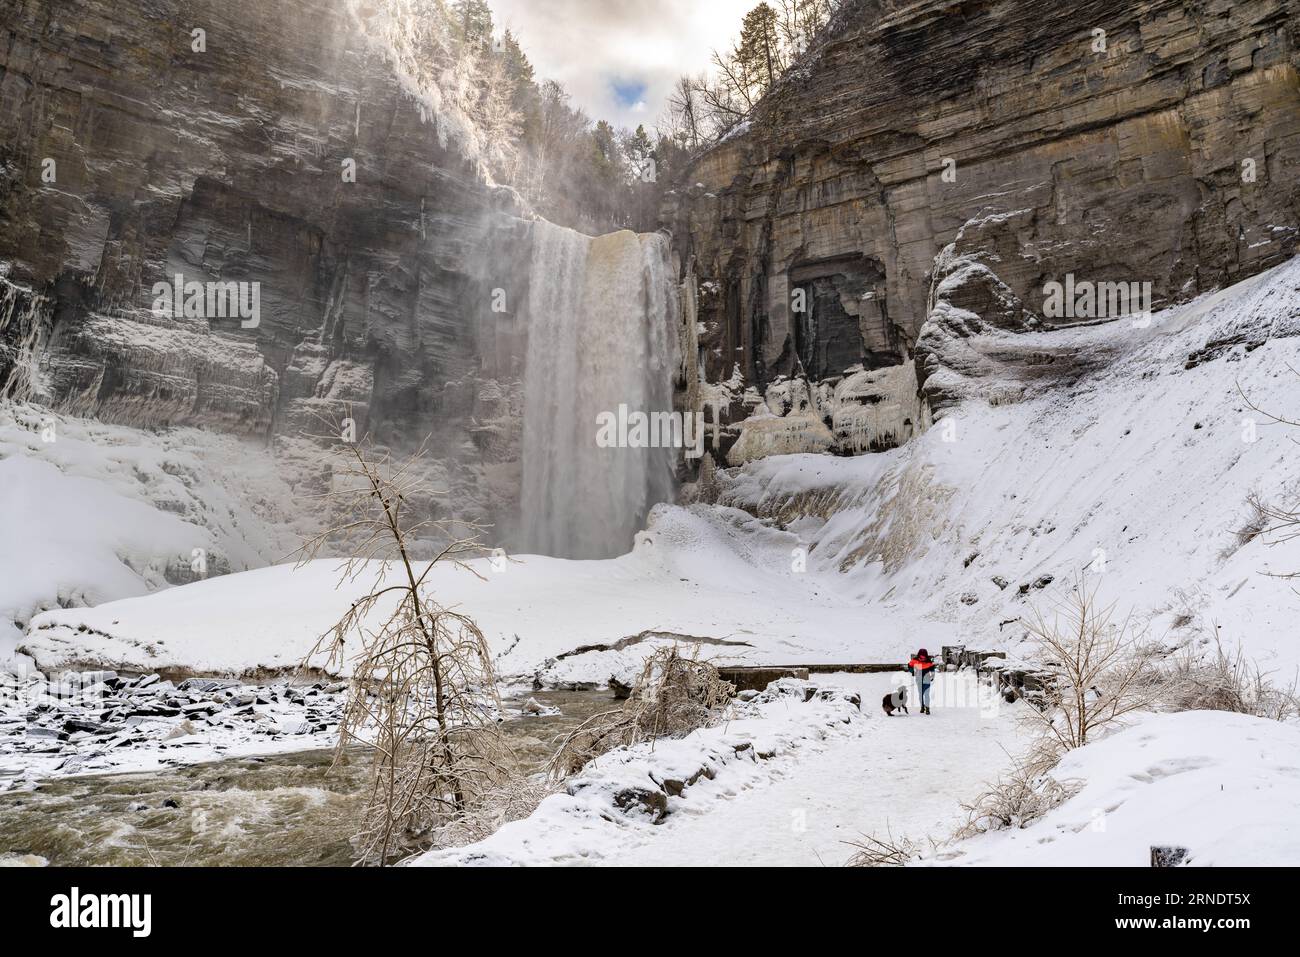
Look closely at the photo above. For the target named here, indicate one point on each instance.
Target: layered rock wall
(1164, 149)
(129, 157)
(133, 150)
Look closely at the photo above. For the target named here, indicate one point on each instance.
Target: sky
(620, 58)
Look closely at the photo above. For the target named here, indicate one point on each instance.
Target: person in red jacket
(921, 667)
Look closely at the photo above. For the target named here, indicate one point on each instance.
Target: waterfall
(601, 333)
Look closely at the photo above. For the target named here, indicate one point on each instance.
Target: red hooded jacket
(921, 662)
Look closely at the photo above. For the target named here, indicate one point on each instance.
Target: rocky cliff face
(1155, 142)
(133, 150)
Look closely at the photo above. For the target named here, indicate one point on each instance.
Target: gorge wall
(1164, 150)
(128, 156)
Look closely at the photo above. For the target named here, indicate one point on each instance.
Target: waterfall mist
(601, 333)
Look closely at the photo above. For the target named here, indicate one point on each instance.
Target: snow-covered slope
(1137, 470)
(92, 512)
(1223, 786)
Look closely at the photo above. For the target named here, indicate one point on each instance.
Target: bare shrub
(423, 694)
(1225, 681)
(1257, 521)
(1183, 607)
(1099, 669)
(672, 696)
(888, 851)
(1098, 672)
(513, 799)
(1280, 523)
(1020, 797)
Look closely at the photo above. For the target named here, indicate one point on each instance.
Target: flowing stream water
(288, 809)
(601, 334)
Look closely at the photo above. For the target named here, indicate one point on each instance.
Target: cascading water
(601, 334)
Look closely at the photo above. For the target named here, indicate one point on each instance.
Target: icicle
(22, 311)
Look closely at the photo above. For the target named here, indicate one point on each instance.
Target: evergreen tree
(758, 55)
(639, 151)
(472, 21)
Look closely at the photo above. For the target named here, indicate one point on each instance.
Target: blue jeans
(923, 682)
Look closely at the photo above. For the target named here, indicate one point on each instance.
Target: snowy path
(907, 774)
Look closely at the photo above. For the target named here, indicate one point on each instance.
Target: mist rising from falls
(601, 333)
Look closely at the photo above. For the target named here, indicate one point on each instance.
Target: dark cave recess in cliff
(839, 316)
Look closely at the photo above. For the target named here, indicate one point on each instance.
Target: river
(294, 809)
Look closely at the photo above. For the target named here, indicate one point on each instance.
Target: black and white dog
(895, 701)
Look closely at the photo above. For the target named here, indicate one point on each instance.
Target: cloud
(602, 49)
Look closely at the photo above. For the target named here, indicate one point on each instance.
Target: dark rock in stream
(77, 724)
(155, 711)
(207, 685)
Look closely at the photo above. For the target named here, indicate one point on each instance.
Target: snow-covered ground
(1223, 786)
(715, 574)
(1138, 473)
(789, 783)
(808, 780)
(901, 777)
(92, 512)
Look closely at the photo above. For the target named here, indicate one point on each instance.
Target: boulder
(650, 802)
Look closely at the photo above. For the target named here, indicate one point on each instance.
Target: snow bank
(714, 574)
(94, 512)
(1224, 786)
(619, 798)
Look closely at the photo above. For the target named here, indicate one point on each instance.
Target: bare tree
(423, 695)
(1100, 673)
(704, 109)
(681, 120)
